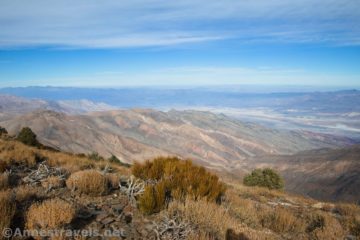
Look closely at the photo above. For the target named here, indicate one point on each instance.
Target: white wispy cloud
(113, 23)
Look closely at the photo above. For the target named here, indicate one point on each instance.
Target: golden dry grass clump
(24, 193)
(50, 214)
(90, 182)
(113, 179)
(324, 226)
(281, 220)
(211, 220)
(350, 217)
(176, 179)
(206, 215)
(12, 152)
(53, 182)
(7, 209)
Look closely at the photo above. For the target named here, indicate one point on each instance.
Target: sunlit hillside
(46, 189)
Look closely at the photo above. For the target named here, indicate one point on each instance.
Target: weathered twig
(172, 228)
(132, 188)
(42, 172)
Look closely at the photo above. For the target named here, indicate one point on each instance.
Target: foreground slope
(252, 213)
(213, 140)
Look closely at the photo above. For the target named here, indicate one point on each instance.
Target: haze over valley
(290, 132)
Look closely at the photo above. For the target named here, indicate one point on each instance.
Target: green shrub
(114, 159)
(175, 179)
(95, 156)
(28, 137)
(264, 178)
(3, 131)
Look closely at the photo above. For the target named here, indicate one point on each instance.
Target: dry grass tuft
(51, 214)
(211, 220)
(26, 193)
(281, 220)
(12, 152)
(323, 226)
(350, 217)
(347, 209)
(7, 210)
(244, 210)
(205, 215)
(72, 163)
(90, 182)
(113, 180)
(53, 182)
(4, 181)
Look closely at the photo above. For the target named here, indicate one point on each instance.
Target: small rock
(118, 208)
(149, 227)
(350, 237)
(128, 217)
(143, 232)
(318, 205)
(108, 220)
(101, 216)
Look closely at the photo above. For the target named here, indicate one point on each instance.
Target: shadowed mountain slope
(328, 174)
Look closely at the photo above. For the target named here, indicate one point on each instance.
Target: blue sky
(158, 42)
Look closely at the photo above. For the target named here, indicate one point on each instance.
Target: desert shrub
(264, 178)
(95, 156)
(115, 160)
(51, 214)
(28, 137)
(90, 182)
(175, 179)
(153, 199)
(3, 131)
(4, 181)
(7, 210)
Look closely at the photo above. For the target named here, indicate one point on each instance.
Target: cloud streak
(117, 24)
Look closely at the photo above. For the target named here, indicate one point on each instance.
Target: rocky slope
(213, 140)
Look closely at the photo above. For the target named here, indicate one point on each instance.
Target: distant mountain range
(18, 105)
(320, 165)
(220, 97)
